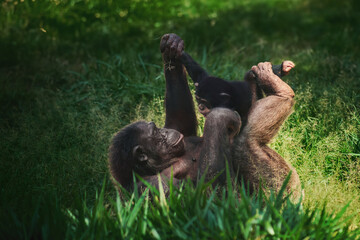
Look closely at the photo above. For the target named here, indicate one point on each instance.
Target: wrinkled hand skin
(171, 47)
(263, 70)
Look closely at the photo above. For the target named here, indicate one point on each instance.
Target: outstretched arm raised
(180, 113)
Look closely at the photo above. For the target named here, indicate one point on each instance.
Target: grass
(73, 73)
(215, 214)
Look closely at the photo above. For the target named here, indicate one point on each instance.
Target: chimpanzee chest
(191, 161)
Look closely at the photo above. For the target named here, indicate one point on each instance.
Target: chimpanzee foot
(263, 71)
(286, 67)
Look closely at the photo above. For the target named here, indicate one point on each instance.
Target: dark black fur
(199, 154)
(216, 92)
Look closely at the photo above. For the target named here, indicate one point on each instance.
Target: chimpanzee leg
(253, 159)
(180, 113)
(267, 115)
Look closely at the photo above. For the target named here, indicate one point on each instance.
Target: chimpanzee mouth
(181, 137)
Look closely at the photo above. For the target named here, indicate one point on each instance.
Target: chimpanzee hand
(263, 71)
(171, 47)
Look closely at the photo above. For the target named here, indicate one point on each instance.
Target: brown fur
(252, 159)
(255, 162)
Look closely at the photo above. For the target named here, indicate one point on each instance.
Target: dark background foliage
(73, 73)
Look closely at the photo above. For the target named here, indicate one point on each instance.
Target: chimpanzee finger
(163, 42)
(291, 64)
(180, 49)
(286, 66)
(260, 66)
(268, 66)
(173, 47)
(264, 66)
(170, 41)
(167, 45)
(166, 54)
(255, 69)
(250, 75)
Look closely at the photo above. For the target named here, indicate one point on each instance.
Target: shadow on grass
(104, 28)
(56, 125)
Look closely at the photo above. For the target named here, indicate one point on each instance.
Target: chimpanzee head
(143, 148)
(157, 145)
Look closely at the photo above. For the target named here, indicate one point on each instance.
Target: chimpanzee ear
(225, 97)
(139, 153)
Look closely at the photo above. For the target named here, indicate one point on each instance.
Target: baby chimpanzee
(237, 95)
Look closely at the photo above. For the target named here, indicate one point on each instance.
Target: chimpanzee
(237, 95)
(143, 148)
(215, 92)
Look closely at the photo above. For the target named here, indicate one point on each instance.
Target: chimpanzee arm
(179, 106)
(196, 72)
(220, 128)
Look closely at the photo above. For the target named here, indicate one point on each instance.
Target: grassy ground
(75, 72)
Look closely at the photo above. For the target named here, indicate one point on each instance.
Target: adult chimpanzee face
(160, 144)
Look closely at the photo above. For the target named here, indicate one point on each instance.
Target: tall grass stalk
(188, 212)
